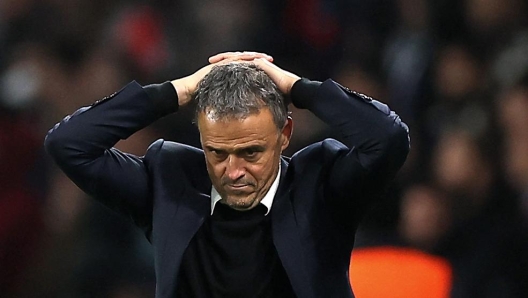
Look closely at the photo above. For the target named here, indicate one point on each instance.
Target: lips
(238, 187)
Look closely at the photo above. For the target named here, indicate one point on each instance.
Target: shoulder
(318, 155)
(162, 146)
(325, 149)
(177, 161)
(168, 151)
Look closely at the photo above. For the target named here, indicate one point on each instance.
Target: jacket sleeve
(81, 145)
(375, 143)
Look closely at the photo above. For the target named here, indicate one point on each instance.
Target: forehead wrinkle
(236, 133)
(237, 142)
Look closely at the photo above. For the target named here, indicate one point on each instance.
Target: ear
(286, 133)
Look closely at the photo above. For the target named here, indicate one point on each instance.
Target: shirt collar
(266, 201)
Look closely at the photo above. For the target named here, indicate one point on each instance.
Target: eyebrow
(256, 148)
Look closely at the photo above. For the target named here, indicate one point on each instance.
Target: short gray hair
(237, 90)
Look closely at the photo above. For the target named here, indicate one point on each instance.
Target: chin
(240, 203)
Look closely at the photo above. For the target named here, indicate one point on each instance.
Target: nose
(235, 168)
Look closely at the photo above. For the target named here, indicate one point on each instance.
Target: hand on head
(238, 56)
(283, 79)
(186, 86)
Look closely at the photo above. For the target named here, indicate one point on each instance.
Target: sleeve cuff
(303, 92)
(164, 96)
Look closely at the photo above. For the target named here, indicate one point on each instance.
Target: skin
(243, 155)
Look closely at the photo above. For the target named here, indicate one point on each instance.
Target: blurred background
(456, 71)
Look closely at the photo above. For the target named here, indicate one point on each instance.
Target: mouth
(238, 187)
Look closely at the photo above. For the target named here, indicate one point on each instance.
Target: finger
(234, 59)
(265, 64)
(283, 79)
(257, 55)
(269, 68)
(247, 56)
(221, 56)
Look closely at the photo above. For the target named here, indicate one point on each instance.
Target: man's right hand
(186, 86)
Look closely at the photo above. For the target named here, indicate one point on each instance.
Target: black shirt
(232, 255)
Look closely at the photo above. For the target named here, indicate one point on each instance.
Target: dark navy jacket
(323, 192)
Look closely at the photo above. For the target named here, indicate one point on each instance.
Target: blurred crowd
(456, 71)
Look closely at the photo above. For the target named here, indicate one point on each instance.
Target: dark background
(455, 70)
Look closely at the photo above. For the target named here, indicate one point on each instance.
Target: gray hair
(237, 90)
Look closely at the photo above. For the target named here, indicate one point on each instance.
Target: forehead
(256, 127)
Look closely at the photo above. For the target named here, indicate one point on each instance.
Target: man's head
(244, 127)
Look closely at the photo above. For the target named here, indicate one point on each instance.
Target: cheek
(257, 171)
(263, 170)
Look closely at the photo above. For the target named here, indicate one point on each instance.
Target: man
(238, 219)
